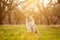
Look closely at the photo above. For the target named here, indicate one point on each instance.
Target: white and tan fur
(30, 24)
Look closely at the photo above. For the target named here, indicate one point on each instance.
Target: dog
(30, 24)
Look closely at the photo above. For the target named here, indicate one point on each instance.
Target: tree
(6, 7)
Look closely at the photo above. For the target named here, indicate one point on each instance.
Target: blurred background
(14, 12)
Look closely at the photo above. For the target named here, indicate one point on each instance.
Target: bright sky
(46, 3)
(32, 4)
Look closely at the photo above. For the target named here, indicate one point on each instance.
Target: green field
(19, 32)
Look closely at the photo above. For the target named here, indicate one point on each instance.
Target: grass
(19, 32)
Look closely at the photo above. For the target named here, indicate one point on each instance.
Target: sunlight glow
(30, 1)
(46, 3)
(31, 4)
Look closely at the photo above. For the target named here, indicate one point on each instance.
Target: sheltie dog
(30, 24)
